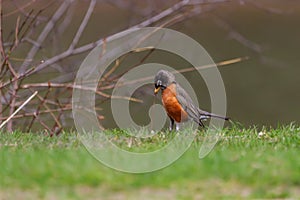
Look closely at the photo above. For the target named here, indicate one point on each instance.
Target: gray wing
(194, 112)
(187, 103)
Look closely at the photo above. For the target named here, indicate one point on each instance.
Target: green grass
(242, 165)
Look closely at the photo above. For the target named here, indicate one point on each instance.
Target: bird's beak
(156, 90)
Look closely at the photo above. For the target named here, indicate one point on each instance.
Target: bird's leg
(201, 123)
(204, 118)
(171, 124)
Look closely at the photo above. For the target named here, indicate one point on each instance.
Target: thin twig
(16, 78)
(17, 110)
(16, 33)
(237, 36)
(57, 15)
(171, 15)
(19, 8)
(162, 14)
(0, 103)
(30, 24)
(269, 9)
(12, 105)
(62, 85)
(2, 57)
(41, 112)
(83, 24)
(222, 63)
(43, 99)
(148, 22)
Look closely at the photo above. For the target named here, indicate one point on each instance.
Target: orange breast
(171, 104)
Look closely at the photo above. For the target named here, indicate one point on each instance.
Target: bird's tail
(219, 116)
(206, 115)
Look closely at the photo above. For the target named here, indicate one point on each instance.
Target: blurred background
(44, 42)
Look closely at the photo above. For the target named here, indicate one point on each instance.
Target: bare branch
(57, 96)
(70, 85)
(12, 105)
(83, 24)
(92, 45)
(237, 36)
(162, 14)
(47, 108)
(0, 103)
(222, 63)
(16, 78)
(2, 51)
(268, 9)
(32, 114)
(21, 9)
(16, 111)
(57, 15)
(67, 20)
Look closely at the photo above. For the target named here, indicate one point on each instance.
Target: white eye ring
(158, 82)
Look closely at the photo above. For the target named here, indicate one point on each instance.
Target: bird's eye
(158, 84)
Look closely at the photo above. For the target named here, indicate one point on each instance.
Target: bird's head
(162, 80)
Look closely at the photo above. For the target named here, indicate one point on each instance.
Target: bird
(177, 102)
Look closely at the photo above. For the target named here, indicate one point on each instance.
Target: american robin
(177, 103)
